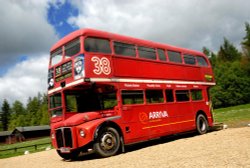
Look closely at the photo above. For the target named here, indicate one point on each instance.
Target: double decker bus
(108, 90)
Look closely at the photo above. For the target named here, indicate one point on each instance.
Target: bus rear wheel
(201, 124)
(108, 142)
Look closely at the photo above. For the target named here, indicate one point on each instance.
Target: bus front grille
(64, 137)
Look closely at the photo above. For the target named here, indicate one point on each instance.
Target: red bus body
(141, 98)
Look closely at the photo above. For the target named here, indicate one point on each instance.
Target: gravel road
(225, 148)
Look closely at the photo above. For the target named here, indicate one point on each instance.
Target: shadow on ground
(141, 145)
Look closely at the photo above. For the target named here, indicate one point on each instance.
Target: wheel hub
(107, 141)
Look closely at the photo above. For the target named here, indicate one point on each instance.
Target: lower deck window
(154, 96)
(132, 97)
(169, 95)
(196, 95)
(182, 95)
(89, 100)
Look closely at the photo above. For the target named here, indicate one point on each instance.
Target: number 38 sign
(102, 65)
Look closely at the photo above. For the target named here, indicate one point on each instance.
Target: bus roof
(121, 38)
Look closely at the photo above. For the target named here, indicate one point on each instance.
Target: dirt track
(225, 148)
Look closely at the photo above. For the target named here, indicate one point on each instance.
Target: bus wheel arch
(201, 122)
(108, 139)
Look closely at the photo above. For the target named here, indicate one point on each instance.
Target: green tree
(246, 41)
(32, 109)
(18, 115)
(211, 56)
(44, 110)
(228, 52)
(5, 116)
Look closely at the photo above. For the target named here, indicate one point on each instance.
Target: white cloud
(25, 80)
(187, 23)
(24, 30)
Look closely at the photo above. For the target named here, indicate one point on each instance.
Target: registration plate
(65, 150)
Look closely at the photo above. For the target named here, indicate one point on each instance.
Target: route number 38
(102, 65)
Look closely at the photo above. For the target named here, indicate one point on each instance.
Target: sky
(30, 27)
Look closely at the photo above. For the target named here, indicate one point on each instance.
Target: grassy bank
(236, 116)
(10, 153)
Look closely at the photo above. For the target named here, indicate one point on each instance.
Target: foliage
(5, 115)
(246, 41)
(232, 73)
(228, 52)
(35, 113)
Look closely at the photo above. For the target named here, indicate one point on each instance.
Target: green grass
(11, 153)
(236, 116)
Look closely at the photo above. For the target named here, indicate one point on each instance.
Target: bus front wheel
(107, 142)
(201, 124)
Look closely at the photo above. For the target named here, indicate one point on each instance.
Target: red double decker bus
(107, 91)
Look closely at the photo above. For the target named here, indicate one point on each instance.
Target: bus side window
(148, 53)
(182, 95)
(154, 96)
(169, 95)
(189, 59)
(124, 49)
(161, 54)
(174, 57)
(132, 97)
(97, 45)
(201, 61)
(196, 95)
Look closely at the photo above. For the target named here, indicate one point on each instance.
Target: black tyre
(201, 124)
(107, 142)
(68, 156)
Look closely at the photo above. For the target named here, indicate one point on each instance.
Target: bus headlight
(82, 133)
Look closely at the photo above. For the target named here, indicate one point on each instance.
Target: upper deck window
(56, 56)
(161, 54)
(189, 59)
(201, 61)
(124, 49)
(174, 56)
(97, 45)
(72, 48)
(145, 52)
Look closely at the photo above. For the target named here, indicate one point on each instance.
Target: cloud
(25, 79)
(186, 23)
(24, 31)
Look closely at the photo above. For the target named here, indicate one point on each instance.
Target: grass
(11, 153)
(236, 116)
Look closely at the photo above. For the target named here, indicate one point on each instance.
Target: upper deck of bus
(124, 68)
(117, 37)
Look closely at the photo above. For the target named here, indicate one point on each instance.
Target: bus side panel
(152, 70)
(132, 123)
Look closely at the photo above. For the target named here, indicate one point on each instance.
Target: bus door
(158, 122)
(133, 115)
(183, 110)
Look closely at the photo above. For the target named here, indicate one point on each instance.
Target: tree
(211, 56)
(228, 52)
(5, 116)
(18, 115)
(32, 110)
(246, 41)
